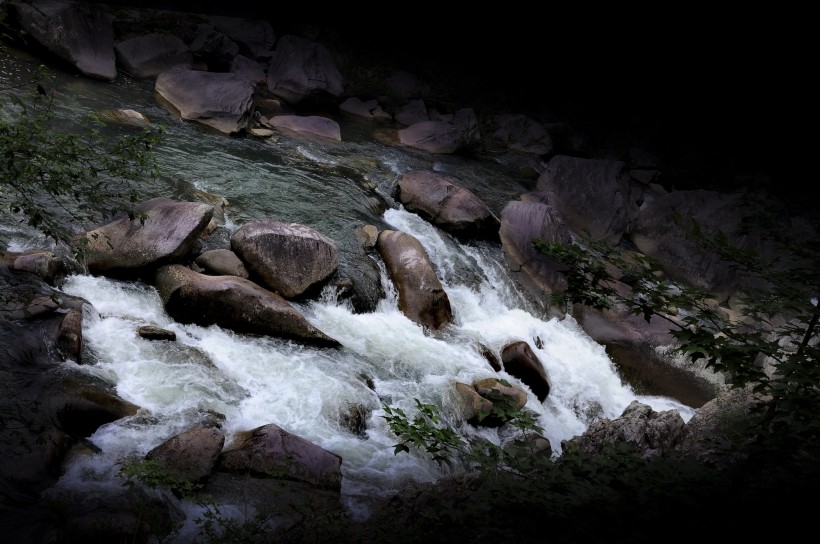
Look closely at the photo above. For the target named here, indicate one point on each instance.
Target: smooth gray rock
(290, 258)
(223, 101)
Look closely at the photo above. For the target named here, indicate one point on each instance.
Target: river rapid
(385, 359)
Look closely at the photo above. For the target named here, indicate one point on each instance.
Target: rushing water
(333, 187)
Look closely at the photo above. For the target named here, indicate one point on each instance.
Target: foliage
(216, 526)
(58, 181)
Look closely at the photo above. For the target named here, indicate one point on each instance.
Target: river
(334, 188)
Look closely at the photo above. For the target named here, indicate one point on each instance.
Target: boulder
(255, 37)
(652, 433)
(167, 234)
(270, 451)
(191, 455)
(301, 69)
(440, 200)
(433, 137)
(290, 258)
(521, 362)
(233, 303)
(421, 296)
(523, 220)
(593, 196)
(222, 262)
(214, 48)
(663, 231)
(248, 68)
(369, 108)
(310, 124)
(75, 32)
(223, 101)
(414, 111)
(149, 55)
(520, 133)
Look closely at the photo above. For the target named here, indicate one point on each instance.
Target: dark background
(724, 95)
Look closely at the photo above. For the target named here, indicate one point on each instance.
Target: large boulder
(270, 451)
(233, 303)
(301, 69)
(521, 222)
(439, 199)
(167, 234)
(521, 362)
(74, 31)
(289, 258)
(255, 37)
(220, 100)
(520, 133)
(422, 298)
(149, 55)
(593, 196)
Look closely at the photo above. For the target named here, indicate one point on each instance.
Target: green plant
(59, 179)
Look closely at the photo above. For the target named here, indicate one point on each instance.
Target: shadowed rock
(593, 196)
(652, 433)
(433, 136)
(149, 55)
(521, 221)
(300, 69)
(270, 451)
(75, 32)
(440, 200)
(191, 454)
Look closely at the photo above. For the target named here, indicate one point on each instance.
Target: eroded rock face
(167, 235)
(75, 32)
(221, 100)
(300, 69)
(290, 258)
(270, 451)
(652, 433)
(421, 296)
(521, 221)
(662, 231)
(234, 303)
(439, 199)
(593, 196)
(149, 55)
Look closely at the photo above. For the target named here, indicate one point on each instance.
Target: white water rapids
(254, 381)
